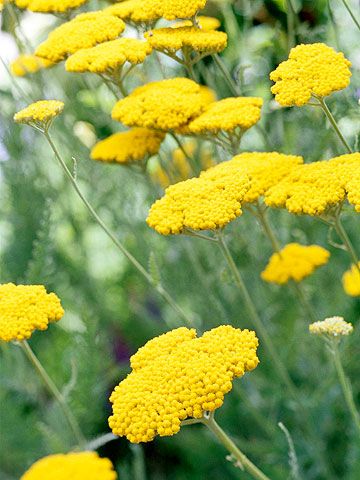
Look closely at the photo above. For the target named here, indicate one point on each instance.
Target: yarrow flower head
(163, 105)
(351, 281)
(40, 114)
(176, 376)
(170, 40)
(26, 64)
(331, 327)
(108, 57)
(74, 466)
(135, 145)
(294, 262)
(200, 203)
(265, 169)
(84, 31)
(318, 186)
(311, 70)
(227, 115)
(25, 308)
(49, 6)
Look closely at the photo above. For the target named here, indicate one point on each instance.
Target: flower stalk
(158, 287)
(344, 382)
(54, 391)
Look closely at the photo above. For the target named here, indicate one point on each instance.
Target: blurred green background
(47, 237)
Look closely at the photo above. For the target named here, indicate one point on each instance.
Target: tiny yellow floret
(71, 466)
(25, 308)
(294, 262)
(163, 105)
(351, 281)
(170, 40)
(178, 375)
(134, 145)
(25, 64)
(311, 70)
(39, 114)
(205, 23)
(49, 6)
(84, 31)
(315, 187)
(227, 115)
(108, 57)
(333, 327)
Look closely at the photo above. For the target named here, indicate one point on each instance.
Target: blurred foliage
(47, 237)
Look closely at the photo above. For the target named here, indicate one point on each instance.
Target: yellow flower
(127, 147)
(294, 262)
(49, 6)
(132, 11)
(265, 169)
(176, 376)
(25, 308)
(25, 64)
(205, 23)
(333, 327)
(40, 114)
(164, 105)
(108, 57)
(200, 203)
(71, 466)
(170, 40)
(313, 69)
(315, 187)
(227, 115)
(84, 31)
(351, 281)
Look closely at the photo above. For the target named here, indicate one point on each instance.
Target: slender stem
(351, 13)
(229, 80)
(259, 325)
(50, 385)
(340, 230)
(223, 438)
(185, 153)
(290, 19)
(159, 288)
(297, 287)
(333, 122)
(345, 383)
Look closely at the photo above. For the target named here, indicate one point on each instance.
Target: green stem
(229, 80)
(50, 385)
(290, 19)
(333, 122)
(351, 13)
(345, 384)
(346, 240)
(189, 158)
(297, 287)
(159, 288)
(265, 337)
(225, 440)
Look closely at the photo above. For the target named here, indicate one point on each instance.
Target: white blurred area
(33, 27)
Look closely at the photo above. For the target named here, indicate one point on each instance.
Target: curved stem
(297, 287)
(346, 5)
(52, 388)
(333, 122)
(340, 230)
(265, 337)
(159, 288)
(345, 384)
(223, 438)
(229, 80)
